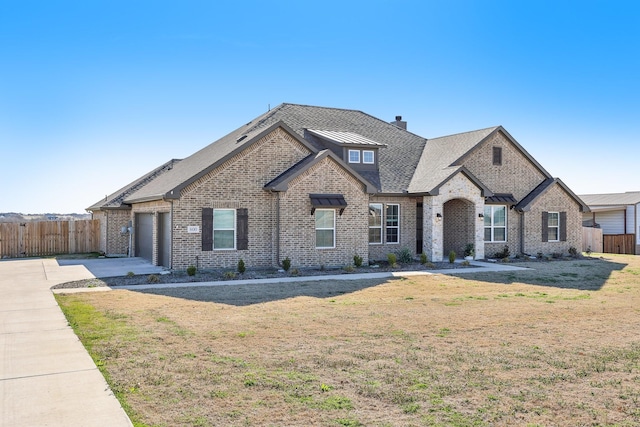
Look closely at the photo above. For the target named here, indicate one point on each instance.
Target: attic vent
(241, 138)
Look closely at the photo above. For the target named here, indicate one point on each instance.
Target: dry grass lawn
(558, 345)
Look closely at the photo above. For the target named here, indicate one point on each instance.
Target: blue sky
(94, 94)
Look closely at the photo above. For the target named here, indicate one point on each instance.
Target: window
(553, 226)
(224, 229)
(368, 157)
(354, 156)
(393, 223)
(495, 223)
(497, 156)
(375, 223)
(325, 228)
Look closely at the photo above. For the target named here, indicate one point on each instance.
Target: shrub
(503, 254)
(469, 250)
(229, 275)
(392, 259)
(153, 278)
(405, 256)
(423, 258)
(241, 267)
(130, 274)
(349, 268)
(295, 272)
(588, 251)
(466, 263)
(452, 257)
(573, 252)
(357, 260)
(286, 264)
(191, 270)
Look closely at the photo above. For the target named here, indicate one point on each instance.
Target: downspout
(171, 237)
(277, 228)
(521, 231)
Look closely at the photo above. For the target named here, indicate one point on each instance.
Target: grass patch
(557, 345)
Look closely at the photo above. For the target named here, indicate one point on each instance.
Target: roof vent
(399, 123)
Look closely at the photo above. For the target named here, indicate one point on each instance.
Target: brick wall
(379, 252)
(297, 225)
(238, 183)
(517, 175)
(554, 200)
(117, 243)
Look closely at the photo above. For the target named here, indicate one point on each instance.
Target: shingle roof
(116, 200)
(628, 198)
(397, 161)
(407, 162)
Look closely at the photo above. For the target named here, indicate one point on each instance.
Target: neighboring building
(320, 185)
(617, 214)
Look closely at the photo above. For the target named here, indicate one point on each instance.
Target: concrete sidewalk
(477, 267)
(47, 378)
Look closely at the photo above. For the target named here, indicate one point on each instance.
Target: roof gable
(281, 182)
(527, 202)
(206, 160)
(500, 129)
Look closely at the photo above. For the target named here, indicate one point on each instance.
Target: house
(618, 215)
(319, 185)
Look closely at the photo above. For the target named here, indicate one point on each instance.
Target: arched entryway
(458, 226)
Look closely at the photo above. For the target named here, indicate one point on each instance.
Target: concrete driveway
(47, 378)
(111, 267)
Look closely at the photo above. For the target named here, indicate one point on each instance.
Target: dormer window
(368, 157)
(354, 156)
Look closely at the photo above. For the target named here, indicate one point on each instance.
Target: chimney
(398, 122)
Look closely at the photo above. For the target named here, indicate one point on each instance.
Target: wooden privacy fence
(620, 244)
(43, 238)
(592, 239)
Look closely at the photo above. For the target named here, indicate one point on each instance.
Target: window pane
(223, 219)
(392, 235)
(354, 156)
(375, 215)
(553, 219)
(499, 234)
(499, 213)
(553, 233)
(367, 157)
(223, 239)
(324, 238)
(487, 217)
(324, 218)
(375, 235)
(487, 234)
(392, 215)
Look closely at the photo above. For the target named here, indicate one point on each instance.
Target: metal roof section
(345, 138)
(614, 199)
(503, 199)
(319, 201)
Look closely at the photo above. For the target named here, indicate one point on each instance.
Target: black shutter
(545, 226)
(242, 225)
(563, 226)
(207, 229)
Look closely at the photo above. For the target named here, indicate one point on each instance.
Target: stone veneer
(458, 187)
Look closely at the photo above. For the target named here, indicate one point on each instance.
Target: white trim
(386, 226)
(354, 160)
(380, 227)
(492, 226)
(333, 228)
(549, 227)
(373, 157)
(224, 229)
